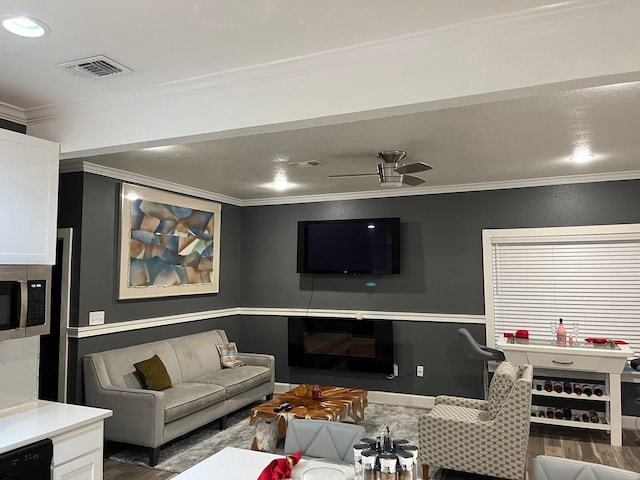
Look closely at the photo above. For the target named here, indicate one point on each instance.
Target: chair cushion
(154, 374)
(502, 382)
(555, 468)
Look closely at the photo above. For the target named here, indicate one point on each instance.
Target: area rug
(186, 451)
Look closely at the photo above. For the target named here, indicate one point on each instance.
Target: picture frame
(169, 244)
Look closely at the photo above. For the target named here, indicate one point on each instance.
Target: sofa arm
(138, 414)
(461, 402)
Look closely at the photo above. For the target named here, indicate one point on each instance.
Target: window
(584, 275)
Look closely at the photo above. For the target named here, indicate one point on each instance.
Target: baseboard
(631, 423)
(388, 398)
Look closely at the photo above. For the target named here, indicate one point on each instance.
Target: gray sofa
(202, 391)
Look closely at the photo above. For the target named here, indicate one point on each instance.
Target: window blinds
(595, 284)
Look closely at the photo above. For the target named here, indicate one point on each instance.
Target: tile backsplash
(19, 363)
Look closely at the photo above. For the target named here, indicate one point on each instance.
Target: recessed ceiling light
(582, 157)
(25, 26)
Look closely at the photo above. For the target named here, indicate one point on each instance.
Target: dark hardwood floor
(587, 445)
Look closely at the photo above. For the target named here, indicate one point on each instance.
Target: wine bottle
(557, 387)
(593, 416)
(586, 389)
(558, 413)
(577, 389)
(561, 334)
(548, 387)
(541, 413)
(567, 413)
(567, 387)
(550, 412)
(585, 417)
(598, 390)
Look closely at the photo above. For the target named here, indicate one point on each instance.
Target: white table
(584, 357)
(231, 464)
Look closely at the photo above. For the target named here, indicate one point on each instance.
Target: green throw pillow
(154, 373)
(229, 355)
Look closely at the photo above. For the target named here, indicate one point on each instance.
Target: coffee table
(336, 404)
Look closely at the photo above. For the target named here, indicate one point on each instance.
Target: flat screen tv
(341, 344)
(366, 245)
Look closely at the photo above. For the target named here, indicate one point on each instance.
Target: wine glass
(554, 328)
(575, 331)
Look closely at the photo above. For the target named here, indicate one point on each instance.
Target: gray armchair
(486, 437)
(555, 468)
(322, 438)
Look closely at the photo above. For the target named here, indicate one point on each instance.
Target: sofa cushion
(197, 353)
(238, 380)
(229, 355)
(503, 380)
(186, 398)
(154, 374)
(118, 363)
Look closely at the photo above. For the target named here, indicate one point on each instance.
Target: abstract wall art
(169, 244)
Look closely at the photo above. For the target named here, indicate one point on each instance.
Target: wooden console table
(599, 359)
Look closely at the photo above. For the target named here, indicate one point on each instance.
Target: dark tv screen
(370, 245)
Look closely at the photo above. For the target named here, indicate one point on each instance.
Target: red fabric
(280, 468)
(604, 340)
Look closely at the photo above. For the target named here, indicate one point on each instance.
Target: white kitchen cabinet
(77, 455)
(77, 433)
(85, 467)
(29, 199)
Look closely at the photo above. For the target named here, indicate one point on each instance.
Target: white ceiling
(490, 94)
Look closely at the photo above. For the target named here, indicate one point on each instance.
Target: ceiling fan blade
(349, 175)
(414, 168)
(411, 181)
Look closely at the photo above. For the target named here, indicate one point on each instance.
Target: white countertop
(236, 464)
(41, 419)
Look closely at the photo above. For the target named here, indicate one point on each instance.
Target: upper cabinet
(28, 199)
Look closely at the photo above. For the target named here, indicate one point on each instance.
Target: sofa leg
(269, 397)
(425, 472)
(223, 422)
(154, 456)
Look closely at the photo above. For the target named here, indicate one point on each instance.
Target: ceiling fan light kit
(392, 175)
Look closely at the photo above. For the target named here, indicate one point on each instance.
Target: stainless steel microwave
(25, 306)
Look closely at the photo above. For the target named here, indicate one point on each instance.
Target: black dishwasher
(31, 462)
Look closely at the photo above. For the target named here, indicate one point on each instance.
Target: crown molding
(469, 187)
(450, 40)
(88, 167)
(80, 166)
(14, 114)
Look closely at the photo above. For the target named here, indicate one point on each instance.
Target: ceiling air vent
(95, 67)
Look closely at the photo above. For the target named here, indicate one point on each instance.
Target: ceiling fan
(390, 173)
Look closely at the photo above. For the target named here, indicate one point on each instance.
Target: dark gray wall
(441, 244)
(441, 272)
(90, 205)
(9, 125)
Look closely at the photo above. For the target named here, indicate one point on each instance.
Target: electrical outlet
(420, 371)
(96, 318)
(395, 370)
